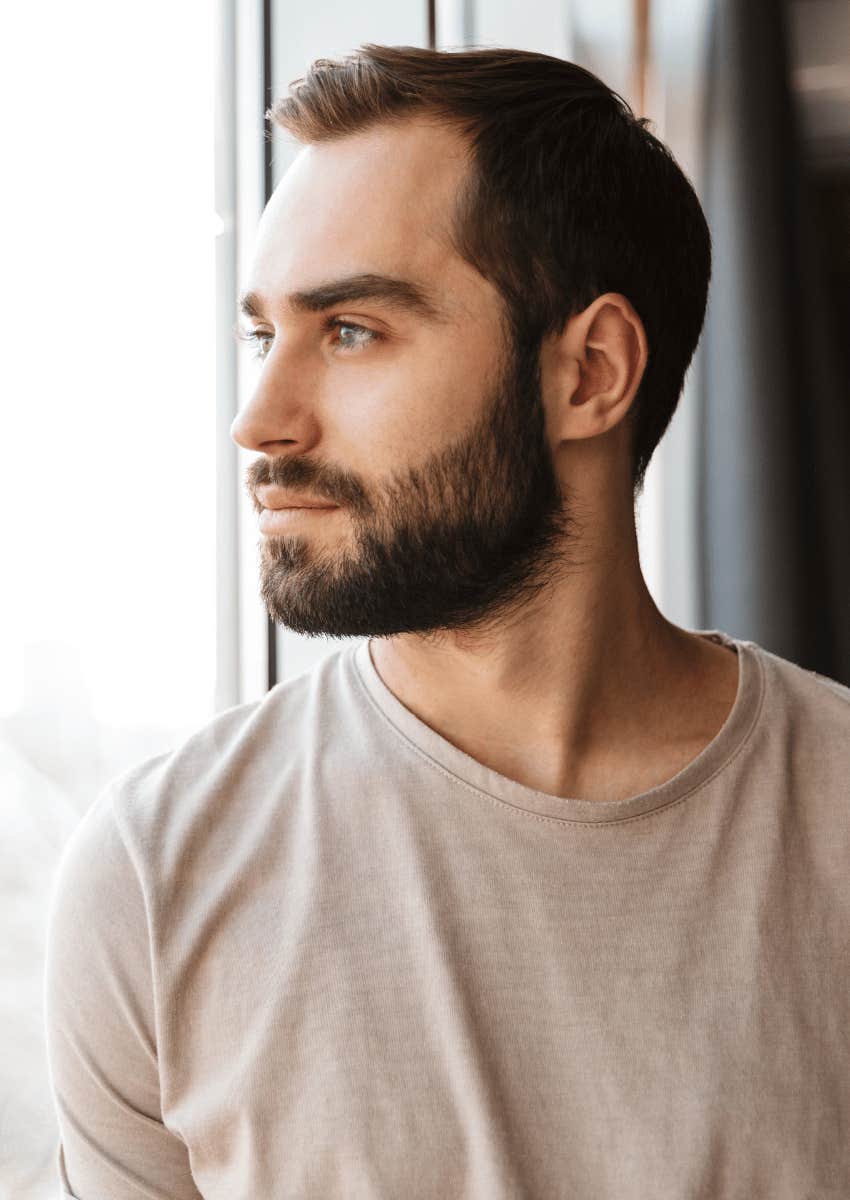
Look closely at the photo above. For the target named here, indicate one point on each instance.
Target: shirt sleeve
(100, 1026)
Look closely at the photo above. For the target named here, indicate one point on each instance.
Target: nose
(278, 416)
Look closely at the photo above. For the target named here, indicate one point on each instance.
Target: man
(528, 892)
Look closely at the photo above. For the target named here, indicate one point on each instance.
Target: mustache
(299, 475)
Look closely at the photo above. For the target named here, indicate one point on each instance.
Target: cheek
(397, 416)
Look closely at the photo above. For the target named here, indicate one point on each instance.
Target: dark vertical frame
(268, 188)
(227, 641)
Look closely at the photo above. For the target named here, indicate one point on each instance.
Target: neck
(587, 680)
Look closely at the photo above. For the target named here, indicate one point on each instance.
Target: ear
(593, 368)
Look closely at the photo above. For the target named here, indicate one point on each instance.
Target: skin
(495, 568)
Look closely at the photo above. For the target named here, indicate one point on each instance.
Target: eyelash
(258, 338)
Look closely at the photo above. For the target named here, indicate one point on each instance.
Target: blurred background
(138, 163)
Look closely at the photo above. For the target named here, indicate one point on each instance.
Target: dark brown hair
(569, 196)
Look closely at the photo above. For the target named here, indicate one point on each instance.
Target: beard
(460, 542)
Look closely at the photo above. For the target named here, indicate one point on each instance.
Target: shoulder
(145, 850)
(176, 811)
(803, 734)
(93, 876)
(218, 756)
(805, 696)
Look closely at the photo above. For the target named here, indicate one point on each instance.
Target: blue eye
(336, 323)
(257, 338)
(261, 339)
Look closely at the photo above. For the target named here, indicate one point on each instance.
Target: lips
(277, 498)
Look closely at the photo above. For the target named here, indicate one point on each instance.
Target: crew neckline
(445, 756)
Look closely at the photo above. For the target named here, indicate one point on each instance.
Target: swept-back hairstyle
(569, 195)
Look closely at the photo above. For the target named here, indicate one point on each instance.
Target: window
(108, 628)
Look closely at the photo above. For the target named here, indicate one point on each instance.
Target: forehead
(375, 201)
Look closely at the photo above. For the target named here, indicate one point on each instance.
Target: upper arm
(100, 1026)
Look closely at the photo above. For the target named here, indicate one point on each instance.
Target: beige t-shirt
(318, 952)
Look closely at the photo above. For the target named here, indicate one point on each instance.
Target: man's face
(425, 429)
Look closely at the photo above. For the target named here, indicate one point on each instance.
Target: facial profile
(468, 520)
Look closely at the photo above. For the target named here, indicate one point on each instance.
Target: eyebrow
(401, 294)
